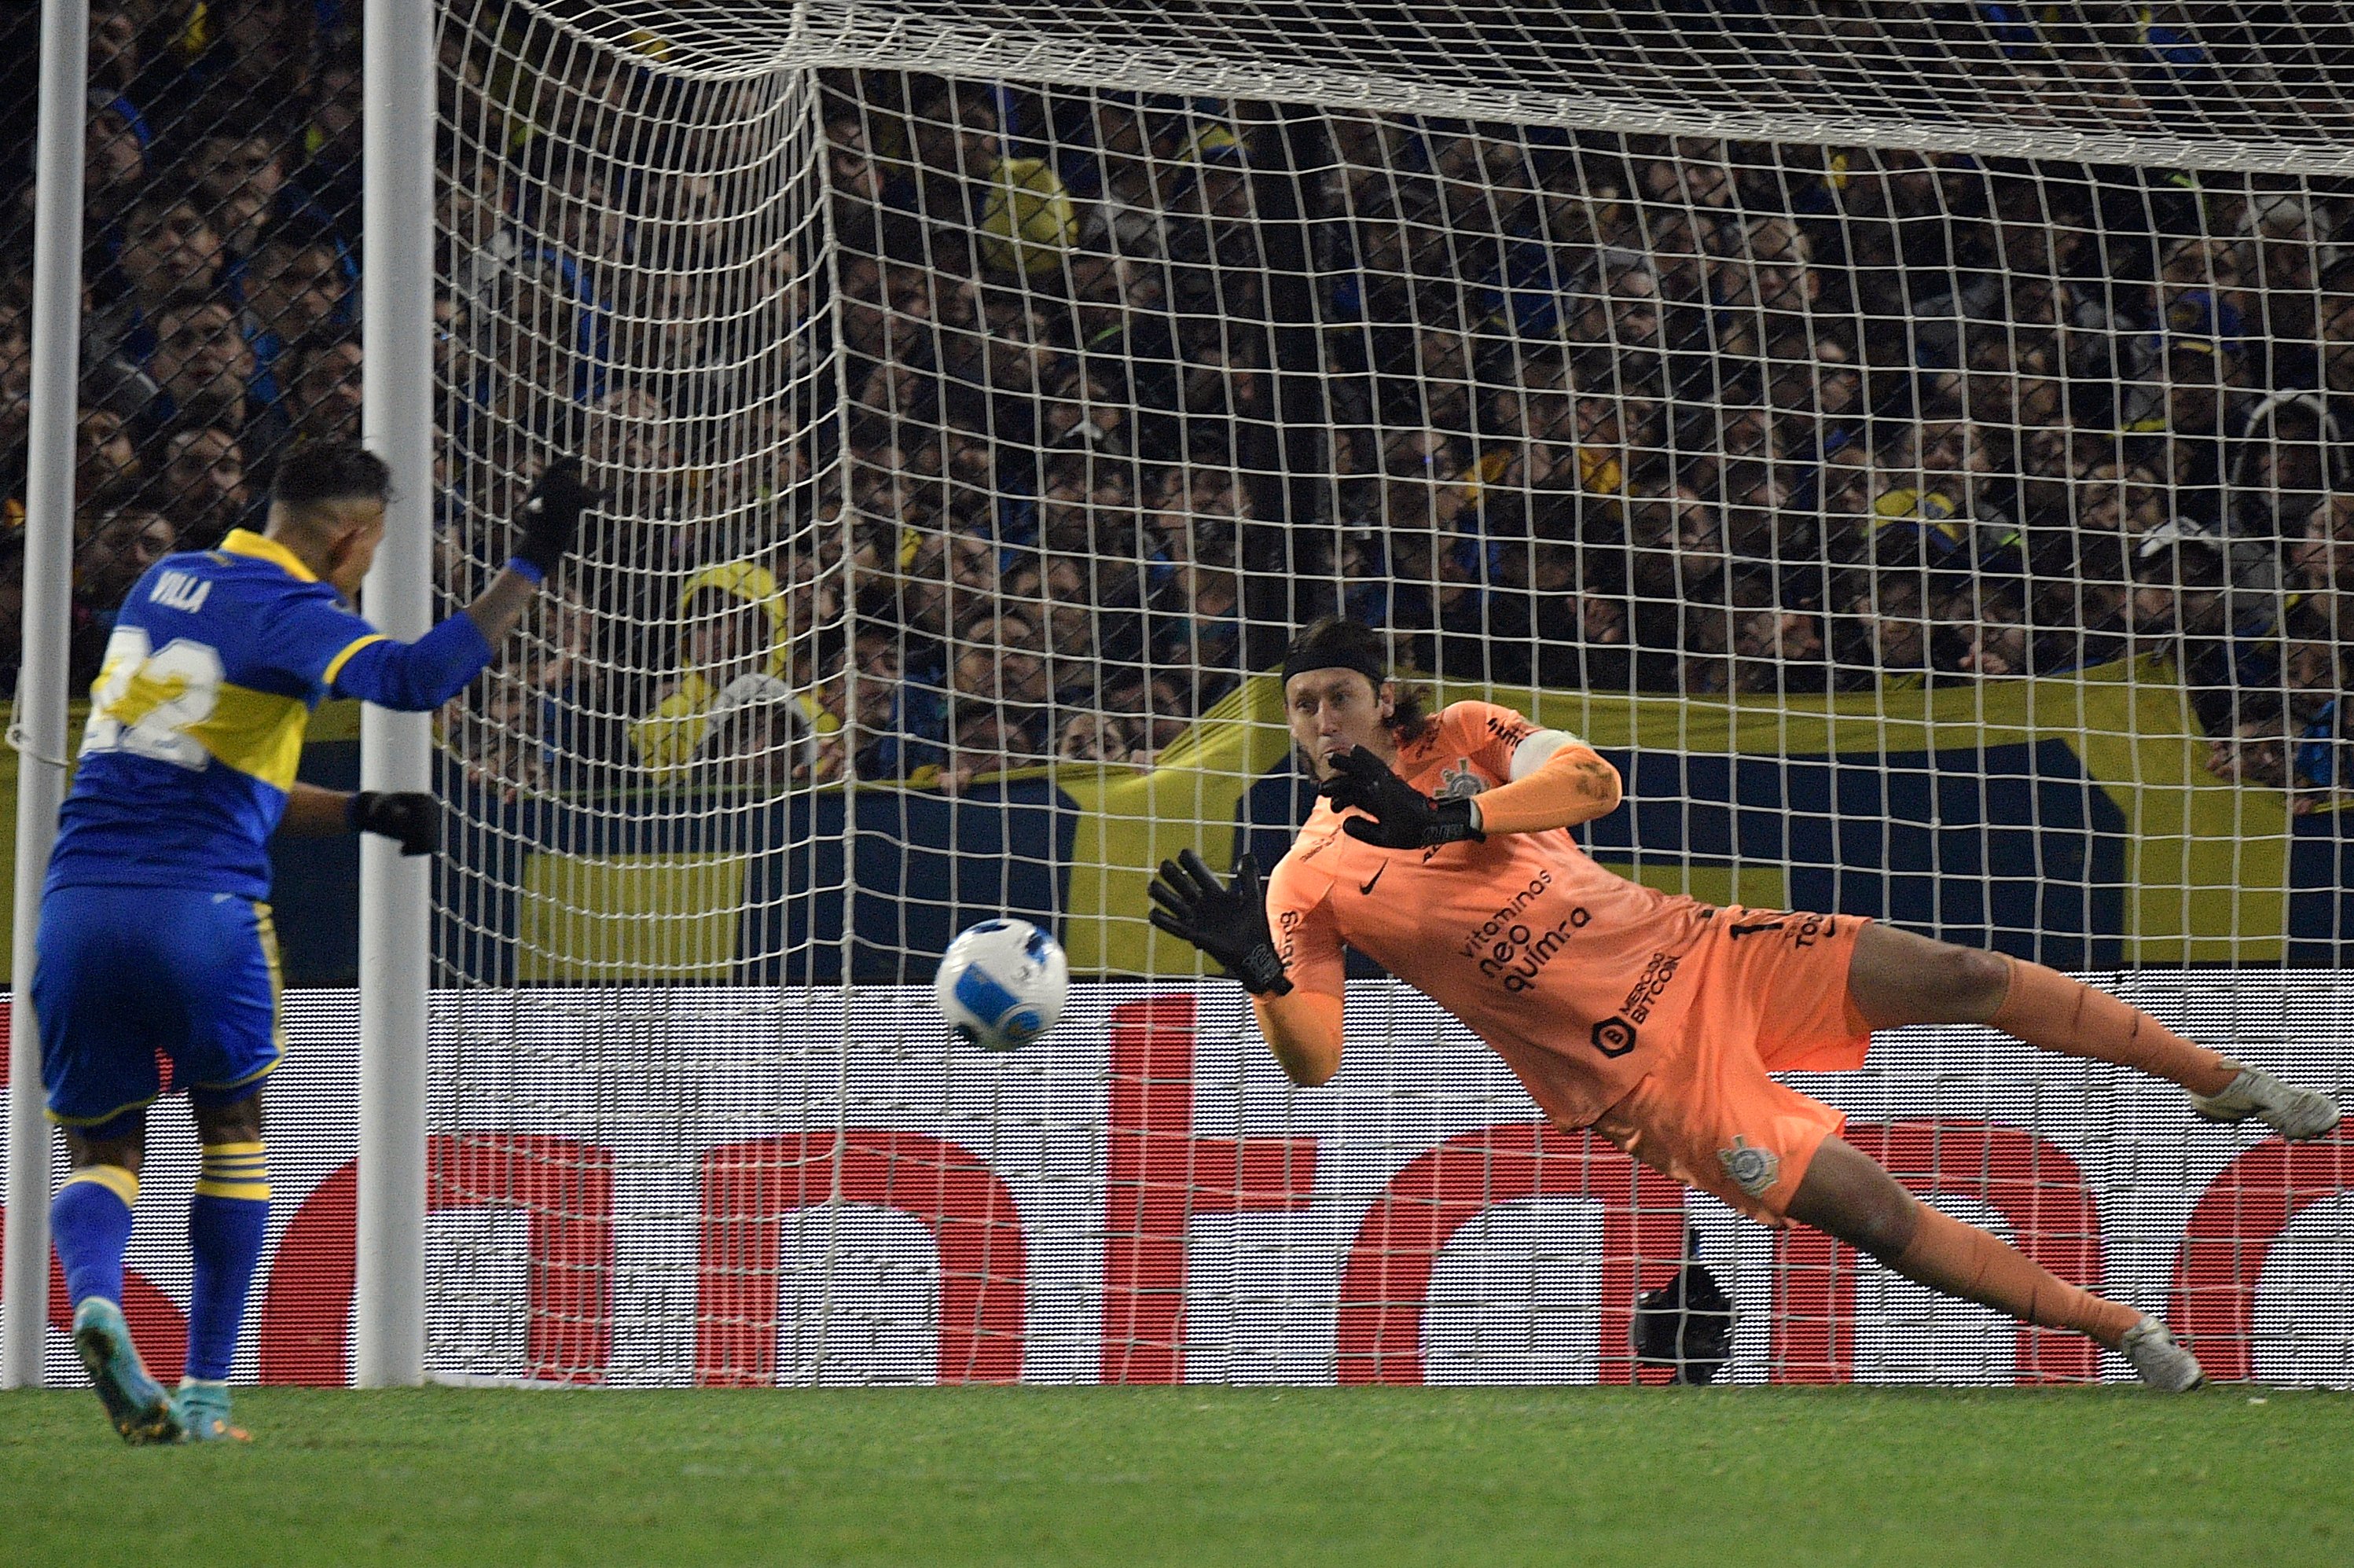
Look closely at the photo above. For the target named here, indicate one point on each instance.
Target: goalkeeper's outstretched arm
(1569, 785)
(1556, 782)
(1303, 1029)
(1228, 923)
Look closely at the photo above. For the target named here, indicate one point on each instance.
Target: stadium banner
(785, 1187)
(2068, 820)
(2071, 820)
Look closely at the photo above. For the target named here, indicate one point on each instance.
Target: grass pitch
(1365, 1477)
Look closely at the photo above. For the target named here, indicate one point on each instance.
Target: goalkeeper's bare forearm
(1303, 1029)
(1572, 787)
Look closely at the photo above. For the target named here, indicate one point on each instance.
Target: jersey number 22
(147, 699)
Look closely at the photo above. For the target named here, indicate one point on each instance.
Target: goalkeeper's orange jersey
(1578, 978)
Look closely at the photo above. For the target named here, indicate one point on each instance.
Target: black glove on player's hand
(1402, 817)
(1229, 924)
(550, 518)
(413, 817)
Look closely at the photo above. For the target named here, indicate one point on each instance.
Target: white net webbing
(1908, 446)
(2238, 87)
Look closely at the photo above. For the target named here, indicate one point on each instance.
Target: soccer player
(1440, 850)
(154, 935)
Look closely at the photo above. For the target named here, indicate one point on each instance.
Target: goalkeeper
(154, 936)
(1440, 850)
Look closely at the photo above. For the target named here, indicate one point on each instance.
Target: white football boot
(2295, 1114)
(2159, 1358)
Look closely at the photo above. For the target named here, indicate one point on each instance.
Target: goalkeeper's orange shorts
(1770, 995)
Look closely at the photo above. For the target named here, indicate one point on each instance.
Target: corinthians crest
(1754, 1170)
(1459, 783)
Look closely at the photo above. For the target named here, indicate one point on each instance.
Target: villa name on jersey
(183, 591)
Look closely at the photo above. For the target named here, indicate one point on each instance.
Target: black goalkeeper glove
(1402, 816)
(1229, 924)
(414, 818)
(550, 518)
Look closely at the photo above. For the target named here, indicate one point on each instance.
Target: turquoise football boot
(134, 1402)
(204, 1413)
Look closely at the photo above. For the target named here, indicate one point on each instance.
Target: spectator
(732, 651)
(111, 552)
(1630, 415)
(249, 52)
(328, 174)
(762, 740)
(114, 552)
(15, 395)
(323, 398)
(12, 606)
(1095, 737)
(202, 486)
(2256, 749)
(897, 725)
(239, 175)
(493, 730)
(1774, 647)
(107, 465)
(114, 158)
(988, 741)
(294, 289)
(169, 250)
(1002, 666)
(201, 366)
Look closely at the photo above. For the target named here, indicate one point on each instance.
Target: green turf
(1721, 1478)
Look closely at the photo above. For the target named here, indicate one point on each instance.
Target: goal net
(1904, 439)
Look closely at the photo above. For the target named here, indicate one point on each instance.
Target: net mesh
(1903, 440)
(1905, 444)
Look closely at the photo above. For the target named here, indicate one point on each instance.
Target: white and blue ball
(1001, 984)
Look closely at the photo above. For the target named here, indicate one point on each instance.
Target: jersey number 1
(146, 701)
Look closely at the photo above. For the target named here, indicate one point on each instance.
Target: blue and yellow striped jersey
(196, 717)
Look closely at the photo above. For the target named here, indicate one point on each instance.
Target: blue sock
(90, 1220)
(227, 1225)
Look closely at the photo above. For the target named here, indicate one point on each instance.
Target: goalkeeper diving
(155, 938)
(1439, 847)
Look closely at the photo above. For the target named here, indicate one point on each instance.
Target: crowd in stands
(1016, 425)
(219, 284)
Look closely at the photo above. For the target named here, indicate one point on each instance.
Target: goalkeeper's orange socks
(2052, 1013)
(1962, 1260)
(90, 1220)
(227, 1222)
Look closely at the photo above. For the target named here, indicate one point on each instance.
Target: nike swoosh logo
(1367, 885)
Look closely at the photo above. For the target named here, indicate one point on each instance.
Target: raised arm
(312, 812)
(1558, 781)
(420, 676)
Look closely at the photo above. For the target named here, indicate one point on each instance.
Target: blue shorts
(121, 973)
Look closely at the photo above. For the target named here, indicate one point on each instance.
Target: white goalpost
(397, 397)
(38, 729)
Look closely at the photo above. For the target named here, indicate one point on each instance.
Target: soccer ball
(1001, 984)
